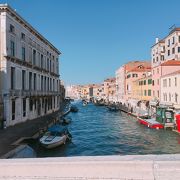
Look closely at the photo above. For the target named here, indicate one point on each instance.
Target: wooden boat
(150, 122)
(55, 136)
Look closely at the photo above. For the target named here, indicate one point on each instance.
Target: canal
(97, 131)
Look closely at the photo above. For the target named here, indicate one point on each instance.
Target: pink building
(165, 50)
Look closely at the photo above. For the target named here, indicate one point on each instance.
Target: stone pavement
(26, 129)
(148, 167)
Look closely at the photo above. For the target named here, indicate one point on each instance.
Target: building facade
(29, 66)
(167, 49)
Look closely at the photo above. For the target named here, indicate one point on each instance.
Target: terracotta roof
(110, 79)
(171, 63)
(131, 65)
(173, 73)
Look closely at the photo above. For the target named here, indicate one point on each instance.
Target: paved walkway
(134, 167)
(27, 129)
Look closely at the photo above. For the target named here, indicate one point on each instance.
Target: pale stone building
(29, 67)
(170, 89)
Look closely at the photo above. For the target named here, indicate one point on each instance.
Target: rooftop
(171, 62)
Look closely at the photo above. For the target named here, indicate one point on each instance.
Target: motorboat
(55, 136)
(162, 118)
(150, 122)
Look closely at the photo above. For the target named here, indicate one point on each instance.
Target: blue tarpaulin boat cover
(57, 128)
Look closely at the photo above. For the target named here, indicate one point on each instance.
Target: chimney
(157, 40)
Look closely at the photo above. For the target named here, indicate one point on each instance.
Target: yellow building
(142, 88)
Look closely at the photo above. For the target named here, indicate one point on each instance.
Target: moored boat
(164, 118)
(55, 136)
(150, 122)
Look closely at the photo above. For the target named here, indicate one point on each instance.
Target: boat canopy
(57, 129)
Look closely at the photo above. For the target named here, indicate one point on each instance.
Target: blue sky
(98, 36)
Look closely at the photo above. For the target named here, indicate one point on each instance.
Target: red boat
(150, 122)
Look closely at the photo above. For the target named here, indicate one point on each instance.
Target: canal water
(98, 131)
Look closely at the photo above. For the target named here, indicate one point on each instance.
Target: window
(41, 61)
(153, 82)
(168, 52)
(179, 39)
(173, 40)
(13, 109)
(149, 81)
(48, 64)
(11, 28)
(134, 75)
(30, 54)
(34, 57)
(157, 70)
(162, 58)
(12, 48)
(157, 59)
(12, 77)
(128, 76)
(175, 80)
(169, 82)
(158, 82)
(34, 81)
(164, 82)
(23, 79)
(158, 93)
(31, 104)
(144, 92)
(178, 49)
(176, 97)
(24, 107)
(170, 97)
(23, 53)
(168, 42)
(173, 50)
(22, 36)
(30, 80)
(41, 83)
(144, 82)
(149, 92)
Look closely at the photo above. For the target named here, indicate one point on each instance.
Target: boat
(150, 122)
(74, 109)
(112, 108)
(164, 118)
(55, 136)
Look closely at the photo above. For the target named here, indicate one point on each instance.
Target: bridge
(95, 167)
